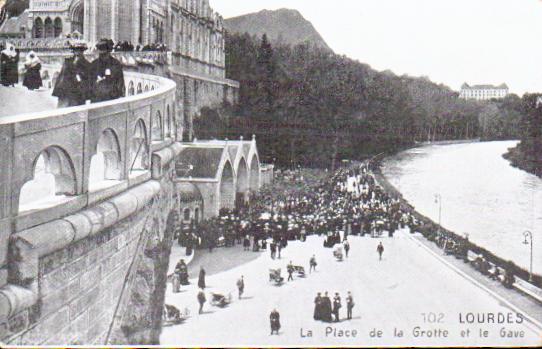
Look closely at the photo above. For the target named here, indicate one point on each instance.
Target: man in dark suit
(107, 74)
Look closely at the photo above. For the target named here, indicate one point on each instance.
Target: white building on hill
(483, 92)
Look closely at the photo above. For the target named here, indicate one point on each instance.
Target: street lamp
(438, 200)
(528, 234)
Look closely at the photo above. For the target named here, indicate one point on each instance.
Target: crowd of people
(349, 202)
(79, 81)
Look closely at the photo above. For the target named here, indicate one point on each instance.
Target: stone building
(483, 92)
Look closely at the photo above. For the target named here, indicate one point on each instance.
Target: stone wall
(73, 272)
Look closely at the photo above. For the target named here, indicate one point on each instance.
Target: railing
(68, 138)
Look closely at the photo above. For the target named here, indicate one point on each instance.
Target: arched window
(146, 88)
(49, 30)
(186, 214)
(156, 131)
(38, 28)
(131, 89)
(152, 88)
(53, 181)
(139, 88)
(105, 165)
(139, 150)
(57, 27)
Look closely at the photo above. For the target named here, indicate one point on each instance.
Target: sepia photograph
(270, 173)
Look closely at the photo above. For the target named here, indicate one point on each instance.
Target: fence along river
(482, 195)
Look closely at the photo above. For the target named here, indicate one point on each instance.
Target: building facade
(483, 92)
(189, 28)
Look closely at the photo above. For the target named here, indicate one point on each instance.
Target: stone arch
(106, 164)
(77, 16)
(57, 25)
(187, 214)
(139, 150)
(49, 29)
(227, 187)
(146, 88)
(242, 189)
(131, 88)
(254, 173)
(53, 178)
(152, 88)
(167, 123)
(156, 127)
(139, 88)
(38, 28)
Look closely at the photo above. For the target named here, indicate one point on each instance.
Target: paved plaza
(391, 295)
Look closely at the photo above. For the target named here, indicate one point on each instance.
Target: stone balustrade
(124, 131)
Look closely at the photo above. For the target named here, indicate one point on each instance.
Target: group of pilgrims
(350, 202)
(9, 71)
(79, 81)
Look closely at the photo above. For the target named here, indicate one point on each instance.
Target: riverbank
(429, 230)
(517, 158)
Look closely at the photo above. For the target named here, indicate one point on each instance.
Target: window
(105, 165)
(53, 180)
(38, 28)
(49, 30)
(186, 214)
(57, 27)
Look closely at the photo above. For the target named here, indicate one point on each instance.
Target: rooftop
(466, 86)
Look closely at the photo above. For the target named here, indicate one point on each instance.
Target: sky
(449, 41)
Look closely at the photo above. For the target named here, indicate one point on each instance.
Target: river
(482, 195)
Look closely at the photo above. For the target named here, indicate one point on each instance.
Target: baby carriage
(338, 253)
(299, 270)
(274, 276)
(173, 316)
(219, 300)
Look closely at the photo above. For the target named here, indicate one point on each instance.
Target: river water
(482, 195)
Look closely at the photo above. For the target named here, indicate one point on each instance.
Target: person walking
(176, 283)
(107, 74)
(312, 264)
(318, 307)
(182, 271)
(201, 300)
(73, 86)
(326, 308)
(346, 246)
(246, 243)
(349, 305)
(274, 318)
(336, 306)
(290, 269)
(201, 279)
(380, 250)
(241, 286)
(273, 249)
(9, 61)
(32, 76)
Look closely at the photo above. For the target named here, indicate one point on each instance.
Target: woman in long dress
(9, 60)
(32, 77)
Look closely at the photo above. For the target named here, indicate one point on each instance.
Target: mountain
(282, 26)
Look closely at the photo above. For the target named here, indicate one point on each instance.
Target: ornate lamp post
(528, 234)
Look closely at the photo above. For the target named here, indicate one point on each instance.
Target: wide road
(19, 100)
(391, 295)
